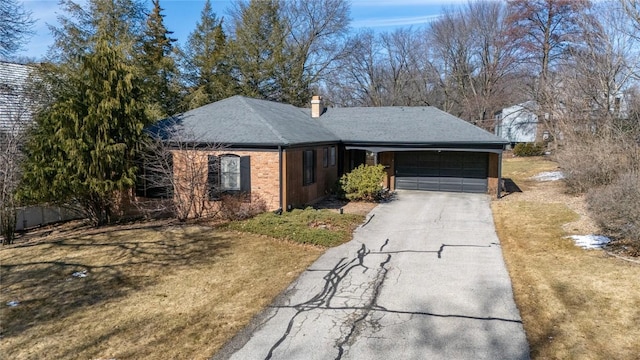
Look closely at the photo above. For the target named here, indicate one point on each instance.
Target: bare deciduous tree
(176, 169)
(15, 26)
(599, 71)
(359, 81)
(547, 29)
(12, 137)
(477, 59)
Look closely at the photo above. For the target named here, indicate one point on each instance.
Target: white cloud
(368, 3)
(394, 21)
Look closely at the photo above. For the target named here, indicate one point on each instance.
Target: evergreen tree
(83, 146)
(258, 50)
(206, 61)
(159, 66)
(123, 19)
(283, 48)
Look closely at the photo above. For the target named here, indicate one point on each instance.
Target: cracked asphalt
(423, 279)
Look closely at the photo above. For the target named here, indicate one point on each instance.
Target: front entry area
(455, 171)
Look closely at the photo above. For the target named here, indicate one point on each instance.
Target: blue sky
(182, 15)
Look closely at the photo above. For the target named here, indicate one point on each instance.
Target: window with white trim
(230, 173)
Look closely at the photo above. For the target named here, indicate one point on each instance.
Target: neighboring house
(518, 123)
(291, 157)
(15, 106)
(619, 105)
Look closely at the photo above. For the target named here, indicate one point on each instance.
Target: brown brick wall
(264, 174)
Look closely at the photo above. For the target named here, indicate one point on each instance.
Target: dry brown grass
(155, 293)
(575, 304)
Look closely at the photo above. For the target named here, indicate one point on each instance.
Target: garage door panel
(474, 185)
(407, 183)
(451, 184)
(429, 184)
(427, 172)
(442, 171)
(448, 173)
(474, 173)
(407, 172)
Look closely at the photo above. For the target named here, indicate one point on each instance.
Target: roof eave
(453, 144)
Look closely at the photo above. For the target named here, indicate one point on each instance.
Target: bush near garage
(529, 149)
(364, 183)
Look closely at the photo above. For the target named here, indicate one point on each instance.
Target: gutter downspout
(280, 175)
(499, 173)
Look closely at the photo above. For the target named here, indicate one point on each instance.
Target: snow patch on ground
(80, 274)
(549, 176)
(590, 241)
(13, 303)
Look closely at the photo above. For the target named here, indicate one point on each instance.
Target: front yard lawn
(151, 292)
(308, 226)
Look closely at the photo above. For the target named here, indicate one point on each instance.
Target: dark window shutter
(245, 174)
(212, 177)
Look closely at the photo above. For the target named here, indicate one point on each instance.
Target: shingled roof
(15, 110)
(240, 120)
(423, 125)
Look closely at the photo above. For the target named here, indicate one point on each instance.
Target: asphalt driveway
(423, 279)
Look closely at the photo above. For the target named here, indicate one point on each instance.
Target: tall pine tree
(159, 66)
(281, 49)
(83, 146)
(206, 61)
(258, 49)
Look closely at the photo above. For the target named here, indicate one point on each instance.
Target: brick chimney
(317, 107)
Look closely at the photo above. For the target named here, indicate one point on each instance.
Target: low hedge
(529, 149)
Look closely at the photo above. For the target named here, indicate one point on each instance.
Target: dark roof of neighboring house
(245, 121)
(420, 125)
(240, 120)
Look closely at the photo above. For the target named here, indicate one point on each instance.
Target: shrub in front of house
(616, 207)
(240, 206)
(529, 149)
(363, 183)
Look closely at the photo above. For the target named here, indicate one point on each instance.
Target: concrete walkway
(423, 279)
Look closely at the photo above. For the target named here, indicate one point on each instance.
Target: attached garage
(421, 148)
(442, 171)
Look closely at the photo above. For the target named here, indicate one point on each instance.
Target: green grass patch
(308, 226)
